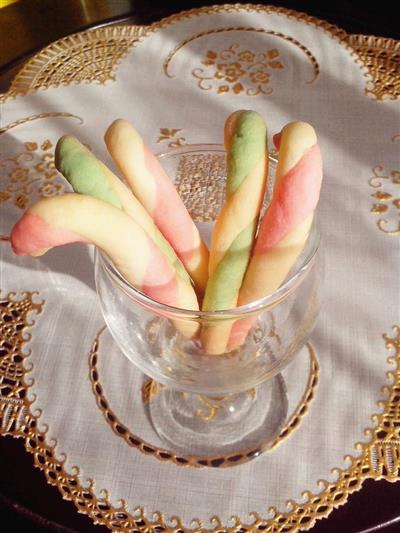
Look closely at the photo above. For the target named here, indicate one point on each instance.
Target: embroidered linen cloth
(177, 85)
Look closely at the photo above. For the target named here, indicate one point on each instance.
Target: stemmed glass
(210, 404)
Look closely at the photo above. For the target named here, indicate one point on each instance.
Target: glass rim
(254, 307)
(202, 147)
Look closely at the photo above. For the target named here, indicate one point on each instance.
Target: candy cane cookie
(157, 193)
(80, 218)
(286, 224)
(234, 231)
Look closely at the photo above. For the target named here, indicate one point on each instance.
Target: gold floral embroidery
(171, 135)
(210, 406)
(50, 189)
(21, 201)
(31, 147)
(30, 175)
(233, 64)
(386, 183)
(149, 389)
(4, 196)
(382, 196)
(377, 208)
(19, 174)
(210, 409)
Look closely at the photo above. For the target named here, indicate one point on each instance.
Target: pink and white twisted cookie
(79, 218)
(157, 193)
(286, 224)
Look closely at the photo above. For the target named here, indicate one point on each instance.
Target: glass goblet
(213, 404)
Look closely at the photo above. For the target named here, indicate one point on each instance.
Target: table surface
(28, 25)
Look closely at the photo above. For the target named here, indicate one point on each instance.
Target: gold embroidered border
(93, 56)
(233, 459)
(381, 58)
(379, 459)
(40, 116)
(85, 57)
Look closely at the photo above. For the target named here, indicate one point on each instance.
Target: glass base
(191, 429)
(195, 424)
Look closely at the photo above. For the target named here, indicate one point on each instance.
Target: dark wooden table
(27, 503)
